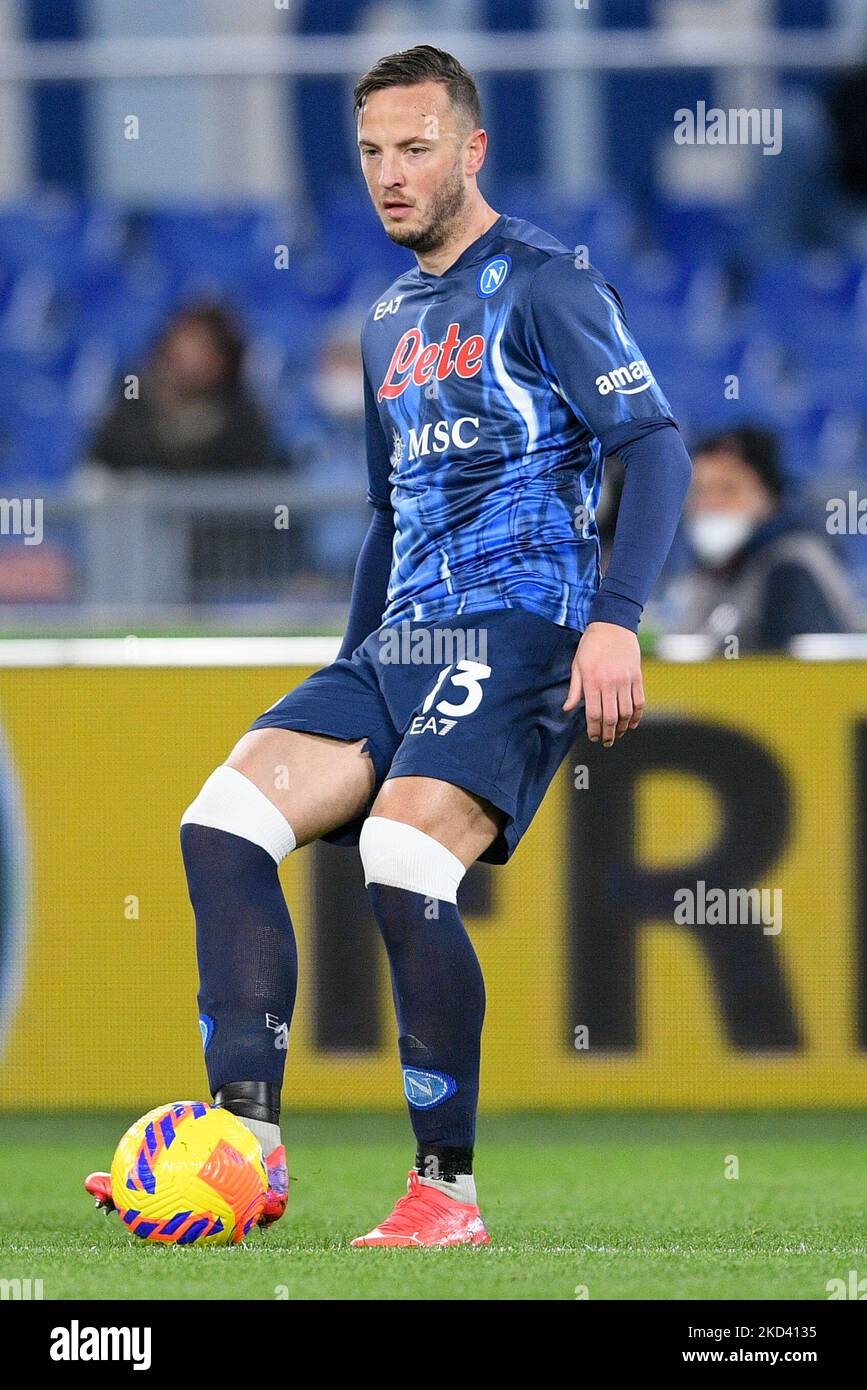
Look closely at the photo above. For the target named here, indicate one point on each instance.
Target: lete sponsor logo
(415, 362)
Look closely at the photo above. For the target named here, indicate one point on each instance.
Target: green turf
(630, 1206)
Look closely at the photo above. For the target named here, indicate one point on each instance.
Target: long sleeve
(657, 472)
(370, 585)
(373, 567)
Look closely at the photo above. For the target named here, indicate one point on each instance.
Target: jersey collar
(475, 251)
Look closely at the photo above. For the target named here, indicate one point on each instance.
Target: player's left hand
(606, 673)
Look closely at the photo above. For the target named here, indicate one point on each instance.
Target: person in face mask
(333, 452)
(763, 574)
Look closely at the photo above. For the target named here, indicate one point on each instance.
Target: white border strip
(168, 651)
(830, 646)
(817, 646)
(319, 651)
(285, 55)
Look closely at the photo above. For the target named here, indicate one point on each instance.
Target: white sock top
(230, 801)
(400, 856)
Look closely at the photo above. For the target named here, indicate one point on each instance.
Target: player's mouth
(396, 208)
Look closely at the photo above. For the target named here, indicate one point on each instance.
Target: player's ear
(475, 150)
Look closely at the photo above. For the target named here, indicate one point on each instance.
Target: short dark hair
(422, 64)
(220, 323)
(754, 446)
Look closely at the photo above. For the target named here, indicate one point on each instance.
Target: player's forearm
(370, 585)
(656, 478)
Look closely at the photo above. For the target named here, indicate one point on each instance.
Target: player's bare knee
(464, 823)
(317, 783)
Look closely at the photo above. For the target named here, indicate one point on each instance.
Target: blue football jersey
(492, 394)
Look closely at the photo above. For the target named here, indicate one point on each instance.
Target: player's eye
(418, 149)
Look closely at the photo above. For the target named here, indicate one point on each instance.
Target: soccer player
(497, 374)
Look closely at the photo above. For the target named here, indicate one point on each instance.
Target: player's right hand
(606, 674)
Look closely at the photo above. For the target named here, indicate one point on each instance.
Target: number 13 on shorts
(467, 676)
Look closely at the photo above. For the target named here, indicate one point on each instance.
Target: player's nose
(390, 174)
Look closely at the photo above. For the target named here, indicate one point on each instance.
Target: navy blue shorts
(474, 700)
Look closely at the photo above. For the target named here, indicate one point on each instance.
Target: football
(189, 1173)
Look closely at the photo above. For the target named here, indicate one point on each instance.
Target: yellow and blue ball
(189, 1174)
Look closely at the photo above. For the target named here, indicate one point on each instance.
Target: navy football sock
(439, 998)
(248, 966)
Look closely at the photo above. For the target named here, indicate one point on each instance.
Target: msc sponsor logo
(436, 438)
(417, 363)
(623, 379)
(493, 276)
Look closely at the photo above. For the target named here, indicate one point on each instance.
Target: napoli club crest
(493, 276)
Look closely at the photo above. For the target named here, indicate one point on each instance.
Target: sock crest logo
(425, 1089)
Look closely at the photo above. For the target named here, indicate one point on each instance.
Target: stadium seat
(798, 343)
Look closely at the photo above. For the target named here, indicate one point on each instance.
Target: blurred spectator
(763, 574)
(334, 454)
(192, 413)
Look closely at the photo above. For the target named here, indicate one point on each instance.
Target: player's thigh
(466, 824)
(318, 783)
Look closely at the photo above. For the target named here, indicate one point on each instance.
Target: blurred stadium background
(191, 165)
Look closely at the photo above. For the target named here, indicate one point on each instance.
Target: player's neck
(481, 219)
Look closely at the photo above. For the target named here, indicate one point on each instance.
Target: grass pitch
(627, 1206)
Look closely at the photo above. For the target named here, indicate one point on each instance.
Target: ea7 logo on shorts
(623, 379)
(466, 675)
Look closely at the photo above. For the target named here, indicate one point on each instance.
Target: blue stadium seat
(102, 280)
(46, 230)
(818, 296)
(700, 232)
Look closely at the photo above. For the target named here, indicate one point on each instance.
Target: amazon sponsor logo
(626, 381)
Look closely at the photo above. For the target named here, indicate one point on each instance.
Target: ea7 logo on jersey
(623, 379)
(387, 306)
